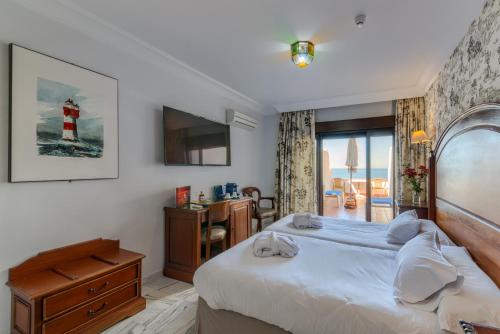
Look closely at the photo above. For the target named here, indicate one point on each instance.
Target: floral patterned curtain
(410, 116)
(295, 185)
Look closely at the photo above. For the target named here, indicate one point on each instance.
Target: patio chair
(337, 190)
(380, 187)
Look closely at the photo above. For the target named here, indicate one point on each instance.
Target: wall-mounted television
(194, 141)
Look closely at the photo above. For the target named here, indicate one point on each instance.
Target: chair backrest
(251, 192)
(337, 183)
(218, 212)
(255, 194)
(379, 183)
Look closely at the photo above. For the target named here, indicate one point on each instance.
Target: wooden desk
(82, 288)
(183, 236)
(422, 208)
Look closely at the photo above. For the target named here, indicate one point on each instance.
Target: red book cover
(182, 196)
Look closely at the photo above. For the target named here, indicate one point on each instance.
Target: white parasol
(352, 164)
(352, 155)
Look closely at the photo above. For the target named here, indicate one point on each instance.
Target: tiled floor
(170, 309)
(380, 214)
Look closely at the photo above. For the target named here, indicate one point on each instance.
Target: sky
(380, 147)
(51, 96)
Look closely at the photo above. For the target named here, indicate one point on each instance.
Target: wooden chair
(217, 213)
(259, 212)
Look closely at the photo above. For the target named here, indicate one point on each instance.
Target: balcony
(337, 193)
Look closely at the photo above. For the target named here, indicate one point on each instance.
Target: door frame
(365, 127)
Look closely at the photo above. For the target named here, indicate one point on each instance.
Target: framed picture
(182, 196)
(63, 120)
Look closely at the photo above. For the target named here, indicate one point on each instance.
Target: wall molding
(93, 26)
(345, 100)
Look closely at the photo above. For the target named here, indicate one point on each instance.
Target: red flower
(416, 178)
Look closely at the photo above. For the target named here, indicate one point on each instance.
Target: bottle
(201, 197)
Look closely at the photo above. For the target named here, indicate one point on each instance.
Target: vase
(415, 197)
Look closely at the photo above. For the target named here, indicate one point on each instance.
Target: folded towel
(272, 243)
(306, 220)
(265, 245)
(316, 222)
(287, 246)
(301, 220)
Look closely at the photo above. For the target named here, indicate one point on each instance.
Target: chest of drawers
(82, 288)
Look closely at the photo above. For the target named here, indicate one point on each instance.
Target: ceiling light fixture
(360, 20)
(302, 53)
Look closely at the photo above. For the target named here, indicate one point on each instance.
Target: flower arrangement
(416, 178)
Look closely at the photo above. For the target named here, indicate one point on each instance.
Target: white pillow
(479, 299)
(404, 227)
(423, 275)
(427, 225)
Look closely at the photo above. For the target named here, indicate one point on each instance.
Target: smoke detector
(360, 20)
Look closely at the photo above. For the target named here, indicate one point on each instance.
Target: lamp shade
(302, 53)
(419, 137)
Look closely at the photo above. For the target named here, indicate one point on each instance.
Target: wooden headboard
(464, 192)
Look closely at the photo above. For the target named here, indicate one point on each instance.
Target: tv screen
(192, 140)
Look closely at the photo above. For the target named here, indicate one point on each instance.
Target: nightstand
(470, 328)
(421, 208)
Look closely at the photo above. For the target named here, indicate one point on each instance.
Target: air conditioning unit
(239, 119)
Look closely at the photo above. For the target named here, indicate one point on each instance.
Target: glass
(344, 193)
(381, 178)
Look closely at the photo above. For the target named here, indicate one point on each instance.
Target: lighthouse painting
(71, 113)
(67, 125)
(63, 120)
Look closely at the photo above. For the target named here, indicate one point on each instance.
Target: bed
(346, 288)
(352, 232)
(318, 291)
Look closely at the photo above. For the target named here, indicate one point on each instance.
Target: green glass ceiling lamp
(302, 53)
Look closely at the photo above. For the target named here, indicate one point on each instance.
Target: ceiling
(245, 44)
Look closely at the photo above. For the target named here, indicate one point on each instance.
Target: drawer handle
(92, 313)
(96, 290)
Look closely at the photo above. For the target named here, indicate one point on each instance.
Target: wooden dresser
(81, 288)
(183, 236)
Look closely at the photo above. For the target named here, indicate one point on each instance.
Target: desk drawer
(84, 314)
(62, 301)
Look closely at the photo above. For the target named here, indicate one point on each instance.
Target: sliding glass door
(381, 176)
(344, 185)
(356, 175)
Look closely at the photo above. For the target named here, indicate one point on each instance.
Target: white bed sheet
(351, 232)
(327, 288)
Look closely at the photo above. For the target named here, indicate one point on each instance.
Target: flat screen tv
(194, 141)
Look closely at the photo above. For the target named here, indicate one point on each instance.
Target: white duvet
(327, 288)
(352, 232)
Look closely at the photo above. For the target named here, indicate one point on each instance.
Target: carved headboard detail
(465, 185)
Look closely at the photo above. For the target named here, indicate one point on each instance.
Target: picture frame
(63, 120)
(182, 196)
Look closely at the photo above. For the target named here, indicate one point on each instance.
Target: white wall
(130, 208)
(355, 111)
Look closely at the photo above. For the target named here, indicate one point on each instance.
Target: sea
(381, 173)
(52, 144)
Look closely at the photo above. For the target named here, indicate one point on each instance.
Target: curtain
(410, 116)
(295, 184)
